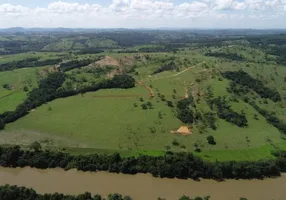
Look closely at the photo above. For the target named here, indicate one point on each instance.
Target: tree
(6, 86)
(115, 197)
(2, 124)
(170, 104)
(185, 198)
(168, 148)
(26, 89)
(211, 140)
(175, 142)
(36, 146)
(149, 104)
(255, 116)
(144, 106)
(197, 148)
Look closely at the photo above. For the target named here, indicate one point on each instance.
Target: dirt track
(117, 96)
(148, 88)
(174, 75)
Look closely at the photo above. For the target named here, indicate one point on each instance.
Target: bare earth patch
(183, 130)
(108, 61)
(49, 70)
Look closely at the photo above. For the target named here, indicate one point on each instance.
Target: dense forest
(171, 165)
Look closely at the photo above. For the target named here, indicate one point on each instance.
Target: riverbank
(140, 186)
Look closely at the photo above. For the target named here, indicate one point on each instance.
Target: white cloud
(63, 7)
(8, 8)
(148, 13)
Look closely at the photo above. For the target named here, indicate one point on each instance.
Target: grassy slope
(23, 56)
(17, 79)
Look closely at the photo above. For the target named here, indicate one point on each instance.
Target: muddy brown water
(141, 186)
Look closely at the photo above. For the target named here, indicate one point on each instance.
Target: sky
(256, 14)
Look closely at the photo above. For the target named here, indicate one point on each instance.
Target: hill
(230, 94)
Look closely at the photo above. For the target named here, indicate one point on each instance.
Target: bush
(36, 146)
(144, 106)
(185, 198)
(170, 104)
(2, 124)
(26, 89)
(6, 86)
(211, 140)
(175, 142)
(149, 104)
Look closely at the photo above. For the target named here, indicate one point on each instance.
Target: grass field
(17, 79)
(23, 56)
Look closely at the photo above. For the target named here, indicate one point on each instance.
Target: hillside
(231, 96)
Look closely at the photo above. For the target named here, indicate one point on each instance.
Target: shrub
(2, 124)
(175, 142)
(144, 106)
(26, 89)
(211, 140)
(170, 104)
(149, 104)
(6, 86)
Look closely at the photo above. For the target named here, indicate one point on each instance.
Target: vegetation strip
(171, 165)
(9, 192)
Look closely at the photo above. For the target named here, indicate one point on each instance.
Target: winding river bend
(141, 186)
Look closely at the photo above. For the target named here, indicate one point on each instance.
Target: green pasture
(17, 79)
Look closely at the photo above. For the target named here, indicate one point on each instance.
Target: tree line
(224, 111)
(271, 118)
(50, 89)
(73, 64)
(168, 67)
(243, 78)
(28, 62)
(230, 56)
(171, 165)
(11, 192)
(185, 112)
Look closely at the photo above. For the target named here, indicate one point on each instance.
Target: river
(141, 186)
